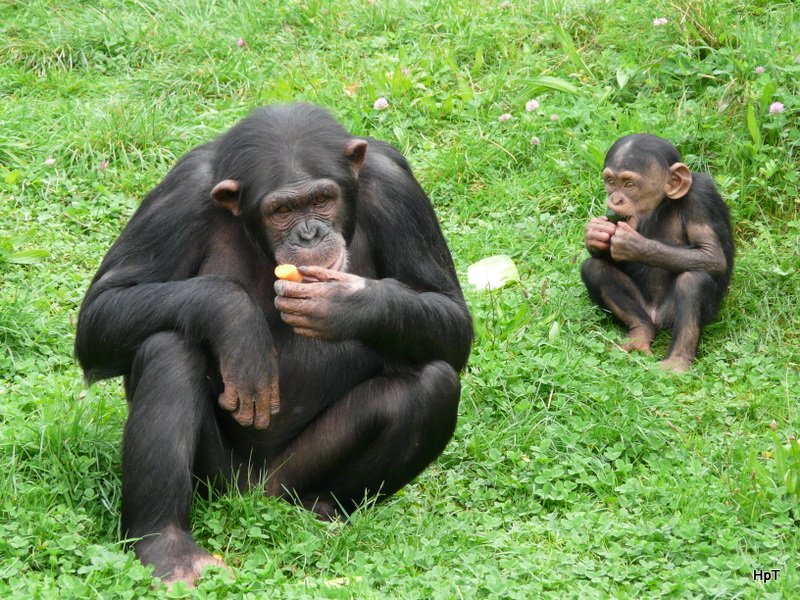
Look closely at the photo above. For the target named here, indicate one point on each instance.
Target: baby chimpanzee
(662, 256)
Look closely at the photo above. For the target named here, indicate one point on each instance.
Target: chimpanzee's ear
(226, 193)
(356, 150)
(679, 181)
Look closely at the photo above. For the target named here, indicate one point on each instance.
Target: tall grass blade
(572, 52)
(544, 83)
(25, 257)
(752, 126)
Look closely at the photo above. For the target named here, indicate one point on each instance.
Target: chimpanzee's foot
(676, 364)
(175, 556)
(326, 510)
(639, 339)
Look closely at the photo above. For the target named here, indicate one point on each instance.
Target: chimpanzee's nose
(308, 231)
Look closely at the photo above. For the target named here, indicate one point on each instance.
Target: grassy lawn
(576, 470)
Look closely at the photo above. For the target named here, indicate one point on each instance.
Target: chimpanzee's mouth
(614, 216)
(340, 263)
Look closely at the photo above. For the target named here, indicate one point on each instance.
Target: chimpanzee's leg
(171, 414)
(612, 289)
(687, 309)
(372, 442)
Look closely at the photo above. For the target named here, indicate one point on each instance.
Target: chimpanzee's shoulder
(379, 152)
(188, 182)
(704, 189)
(706, 203)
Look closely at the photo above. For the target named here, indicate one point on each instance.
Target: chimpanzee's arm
(148, 279)
(115, 319)
(704, 252)
(413, 325)
(415, 311)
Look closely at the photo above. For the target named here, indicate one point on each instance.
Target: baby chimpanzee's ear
(679, 181)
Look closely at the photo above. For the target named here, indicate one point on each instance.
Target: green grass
(576, 470)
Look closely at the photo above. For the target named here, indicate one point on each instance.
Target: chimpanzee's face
(303, 223)
(633, 194)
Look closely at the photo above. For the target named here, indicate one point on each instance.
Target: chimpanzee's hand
(315, 308)
(627, 244)
(251, 385)
(598, 234)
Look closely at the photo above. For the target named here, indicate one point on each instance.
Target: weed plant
(576, 470)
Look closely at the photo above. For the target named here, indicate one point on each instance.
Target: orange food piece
(288, 272)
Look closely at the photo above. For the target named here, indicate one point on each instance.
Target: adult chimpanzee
(324, 392)
(662, 256)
